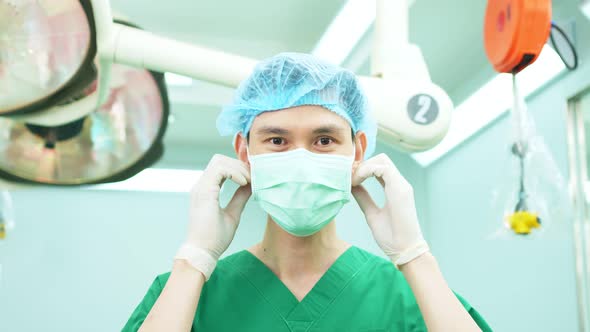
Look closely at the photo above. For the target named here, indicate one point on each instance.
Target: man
(303, 132)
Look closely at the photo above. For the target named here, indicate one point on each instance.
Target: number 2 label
(422, 109)
(424, 102)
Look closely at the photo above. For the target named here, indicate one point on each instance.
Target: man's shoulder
(228, 268)
(373, 258)
(380, 269)
(232, 258)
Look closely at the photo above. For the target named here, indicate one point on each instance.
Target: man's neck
(289, 256)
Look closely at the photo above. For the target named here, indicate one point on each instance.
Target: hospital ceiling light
(490, 101)
(347, 28)
(54, 127)
(46, 52)
(110, 143)
(155, 180)
(585, 8)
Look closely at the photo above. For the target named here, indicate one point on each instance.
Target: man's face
(310, 127)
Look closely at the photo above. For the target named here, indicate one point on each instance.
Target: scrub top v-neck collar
(300, 315)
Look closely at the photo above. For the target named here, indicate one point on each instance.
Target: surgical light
(68, 117)
(111, 143)
(46, 52)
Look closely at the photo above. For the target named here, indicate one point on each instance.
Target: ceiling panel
(254, 28)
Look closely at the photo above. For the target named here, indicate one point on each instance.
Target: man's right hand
(211, 227)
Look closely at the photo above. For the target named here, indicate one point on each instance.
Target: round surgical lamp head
(55, 130)
(47, 49)
(112, 143)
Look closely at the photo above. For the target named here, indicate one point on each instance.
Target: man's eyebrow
(272, 130)
(330, 129)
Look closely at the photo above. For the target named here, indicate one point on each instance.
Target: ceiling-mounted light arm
(392, 54)
(103, 20)
(118, 43)
(140, 48)
(390, 35)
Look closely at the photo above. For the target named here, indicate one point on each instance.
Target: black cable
(569, 43)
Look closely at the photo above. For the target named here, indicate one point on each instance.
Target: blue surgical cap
(295, 79)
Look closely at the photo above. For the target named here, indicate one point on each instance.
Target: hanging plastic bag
(533, 193)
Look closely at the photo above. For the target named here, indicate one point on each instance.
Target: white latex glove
(394, 226)
(212, 228)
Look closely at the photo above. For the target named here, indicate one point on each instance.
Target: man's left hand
(394, 226)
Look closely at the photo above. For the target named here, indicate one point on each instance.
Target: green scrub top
(359, 292)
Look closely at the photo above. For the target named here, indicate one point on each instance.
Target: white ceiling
(253, 28)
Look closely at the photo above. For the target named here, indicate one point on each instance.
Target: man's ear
(241, 148)
(360, 141)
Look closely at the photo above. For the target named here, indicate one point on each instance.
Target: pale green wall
(519, 284)
(81, 260)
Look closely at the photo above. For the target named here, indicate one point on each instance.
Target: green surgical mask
(302, 191)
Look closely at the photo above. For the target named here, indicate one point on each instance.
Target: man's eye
(325, 141)
(276, 141)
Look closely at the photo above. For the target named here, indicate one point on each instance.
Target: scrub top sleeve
(144, 307)
(483, 325)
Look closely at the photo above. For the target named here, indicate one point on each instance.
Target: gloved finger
(367, 170)
(214, 176)
(373, 167)
(235, 166)
(234, 173)
(365, 201)
(209, 187)
(391, 174)
(383, 169)
(236, 205)
(221, 168)
(359, 177)
(243, 168)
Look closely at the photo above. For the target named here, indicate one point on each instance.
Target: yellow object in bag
(522, 222)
